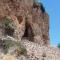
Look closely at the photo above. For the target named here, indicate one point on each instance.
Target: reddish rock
(22, 11)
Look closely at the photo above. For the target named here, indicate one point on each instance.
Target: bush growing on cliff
(7, 44)
(7, 22)
(8, 25)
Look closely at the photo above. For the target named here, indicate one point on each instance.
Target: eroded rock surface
(29, 26)
(22, 11)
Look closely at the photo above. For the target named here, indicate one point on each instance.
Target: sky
(52, 7)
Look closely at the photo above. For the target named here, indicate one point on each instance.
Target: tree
(58, 45)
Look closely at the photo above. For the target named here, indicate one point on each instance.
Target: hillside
(24, 31)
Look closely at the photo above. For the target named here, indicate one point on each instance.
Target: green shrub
(9, 43)
(58, 45)
(8, 23)
(23, 51)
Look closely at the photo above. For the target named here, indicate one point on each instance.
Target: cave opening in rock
(28, 34)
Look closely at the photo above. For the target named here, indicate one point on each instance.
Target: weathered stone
(20, 11)
(31, 28)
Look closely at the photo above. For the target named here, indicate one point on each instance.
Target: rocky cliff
(26, 22)
(29, 17)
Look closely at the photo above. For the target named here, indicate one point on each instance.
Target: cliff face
(25, 22)
(22, 11)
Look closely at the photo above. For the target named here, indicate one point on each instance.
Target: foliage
(9, 43)
(8, 23)
(58, 45)
(23, 51)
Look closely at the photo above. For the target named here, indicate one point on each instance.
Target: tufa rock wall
(30, 27)
(22, 11)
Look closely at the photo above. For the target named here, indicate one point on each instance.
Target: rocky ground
(38, 52)
(34, 52)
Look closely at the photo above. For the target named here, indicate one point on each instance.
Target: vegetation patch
(8, 25)
(7, 22)
(6, 44)
(58, 45)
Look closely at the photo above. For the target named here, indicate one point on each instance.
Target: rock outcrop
(27, 22)
(27, 13)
